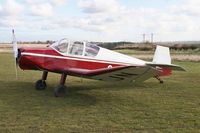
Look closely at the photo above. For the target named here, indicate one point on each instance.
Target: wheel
(60, 91)
(161, 82)
(40, 85)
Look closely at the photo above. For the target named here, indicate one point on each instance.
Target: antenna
(144, 37)
(152, 35)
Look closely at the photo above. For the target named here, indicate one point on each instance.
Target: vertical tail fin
(162, 55)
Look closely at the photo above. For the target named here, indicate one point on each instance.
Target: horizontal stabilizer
(167, 66)
(162, 59)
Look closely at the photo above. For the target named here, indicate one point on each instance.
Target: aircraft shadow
(77, 94)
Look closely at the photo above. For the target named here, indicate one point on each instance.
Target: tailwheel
(60, 91)
(160, 80)
(40, 85)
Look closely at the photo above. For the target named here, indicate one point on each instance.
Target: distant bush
(149, 46)
(184, 47)
(37, 42)
(127, 45)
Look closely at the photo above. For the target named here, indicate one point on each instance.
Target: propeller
(15, 51)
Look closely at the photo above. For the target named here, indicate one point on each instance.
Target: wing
(125, 73)
(129, 74)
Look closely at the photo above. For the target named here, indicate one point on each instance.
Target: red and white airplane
(85, 59)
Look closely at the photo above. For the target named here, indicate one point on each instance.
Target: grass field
(95, 106)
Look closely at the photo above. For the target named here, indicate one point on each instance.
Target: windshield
(77, 48)
(91, 50)
(62, 46)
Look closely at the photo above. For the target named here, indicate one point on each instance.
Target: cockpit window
(62, 46)
(76, 48)
(91, 50)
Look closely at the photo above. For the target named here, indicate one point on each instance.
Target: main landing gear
(59, 91)
(159, 79)
(41, 84)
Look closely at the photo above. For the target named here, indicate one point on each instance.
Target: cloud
(111, 18)
(98, 23)
(58, 2)
(11, 8)
(99, 6)
(9, 13)
(189, 7)
(11, 22)
(1, 8)
(43, 10)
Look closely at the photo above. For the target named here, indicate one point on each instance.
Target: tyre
(60, 91)
(40, 85)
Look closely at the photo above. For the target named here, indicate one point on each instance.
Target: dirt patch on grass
(186, 57)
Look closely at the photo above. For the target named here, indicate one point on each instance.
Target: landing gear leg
(41, 84)
(159, 79)
(60, 90)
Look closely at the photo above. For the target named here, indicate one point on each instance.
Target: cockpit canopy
(77, 48)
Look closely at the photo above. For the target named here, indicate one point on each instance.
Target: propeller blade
(14, 42)
(15, 51)
(16, 71)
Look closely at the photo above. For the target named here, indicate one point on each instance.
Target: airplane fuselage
(48, 59)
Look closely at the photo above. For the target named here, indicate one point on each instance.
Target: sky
(100, 20)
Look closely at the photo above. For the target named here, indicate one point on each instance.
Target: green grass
(95, 106)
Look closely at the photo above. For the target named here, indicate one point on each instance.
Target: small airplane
(87, 60)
